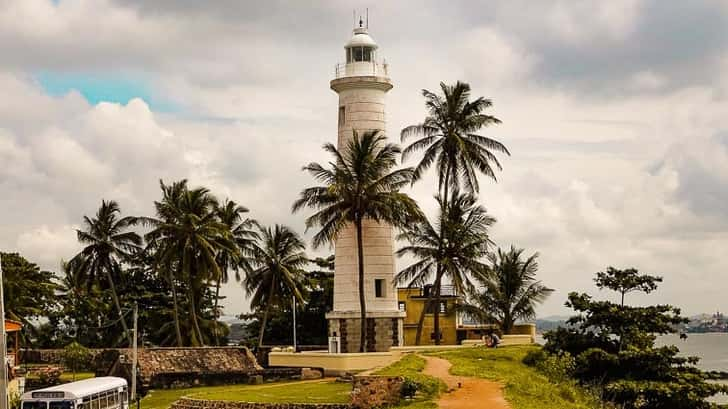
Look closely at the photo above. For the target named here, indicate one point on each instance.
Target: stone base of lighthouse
(384, 330)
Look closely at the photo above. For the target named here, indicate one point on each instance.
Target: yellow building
(412, 301)
(454, 327)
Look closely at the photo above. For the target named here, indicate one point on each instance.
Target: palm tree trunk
(265, 314)
(217, 298)
(421, 322)
(177, 330)
(115, 297)
(362, 300)
(437, 307)
(193, 317)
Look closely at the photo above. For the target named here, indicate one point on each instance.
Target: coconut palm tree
(510, 291)
(109, 243)
(360, 184)
(186, 239)
(231, 215)
(449, 139)
(452, 248)
(278, 260)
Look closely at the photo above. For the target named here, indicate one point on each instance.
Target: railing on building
(445, 291)
(361, 68)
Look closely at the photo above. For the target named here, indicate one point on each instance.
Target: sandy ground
(464, 392)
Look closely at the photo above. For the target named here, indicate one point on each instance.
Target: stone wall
(382, 333)
(376, 391)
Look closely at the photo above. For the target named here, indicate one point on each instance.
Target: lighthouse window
(379, 288)
(348, 55)
(342, 115)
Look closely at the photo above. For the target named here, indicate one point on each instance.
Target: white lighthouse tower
(362, 84)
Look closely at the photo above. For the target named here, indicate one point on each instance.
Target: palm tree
(449, 140)
(186, 239)
(278, 259)
(450, 249)
(231, 215)
(108, 243)
(510, 290)
(361, 184)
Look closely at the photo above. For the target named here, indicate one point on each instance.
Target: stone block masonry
(186, 403)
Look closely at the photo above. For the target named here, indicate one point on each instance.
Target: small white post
(294, 323)
(134, 357)
(3, 350)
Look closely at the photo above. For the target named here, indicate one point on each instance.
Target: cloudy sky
(616, 114)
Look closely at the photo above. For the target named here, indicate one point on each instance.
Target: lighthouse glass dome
(361, 56)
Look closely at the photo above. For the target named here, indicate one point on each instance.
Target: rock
(308, 373)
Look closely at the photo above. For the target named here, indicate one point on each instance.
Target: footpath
(465, 392)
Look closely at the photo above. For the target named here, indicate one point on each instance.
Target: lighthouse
(362, 83)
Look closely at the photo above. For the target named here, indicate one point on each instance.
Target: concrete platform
(334, 364)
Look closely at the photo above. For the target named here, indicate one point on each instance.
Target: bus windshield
(34, 405)
(60, 405)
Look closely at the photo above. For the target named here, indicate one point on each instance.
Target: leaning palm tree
(452, 248)
(361, 184)
(231, 215)
(108, 244)
(278, 259)
(187, 237)
(510, 291)
(449, 139)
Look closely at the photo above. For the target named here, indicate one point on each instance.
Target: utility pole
(294, 323)
(134, 356)
(3, 348)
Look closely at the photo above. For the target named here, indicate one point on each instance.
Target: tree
(509, 292)
(76, 356)
(451, 249)
(231, 215)
(108, 244)
(361, 184)
(449, 140)
(614, 344)
(278, 259)
(29, 291)
(186, 240)
(626, 281)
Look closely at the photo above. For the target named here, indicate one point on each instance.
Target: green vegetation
(509, 291)
(410, 367)
(525, 387)
(288, 392)
(613, 344)
(277, 273)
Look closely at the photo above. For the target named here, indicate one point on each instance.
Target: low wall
(376, 391)
(333, 364)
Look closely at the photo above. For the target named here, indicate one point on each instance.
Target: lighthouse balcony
(361, 69)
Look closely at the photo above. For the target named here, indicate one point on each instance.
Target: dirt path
(465, 392)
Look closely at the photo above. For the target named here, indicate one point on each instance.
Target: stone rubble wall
(376, 391)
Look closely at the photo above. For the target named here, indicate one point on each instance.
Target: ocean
(712, 349)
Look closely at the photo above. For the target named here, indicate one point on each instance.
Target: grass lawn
(525, 388)
(410, 367)
(287, 392)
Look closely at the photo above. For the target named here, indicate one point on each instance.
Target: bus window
(65, 404)
(34, 405)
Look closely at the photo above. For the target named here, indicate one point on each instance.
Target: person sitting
(494, 340)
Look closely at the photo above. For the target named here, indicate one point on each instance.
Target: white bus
(95, 393)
